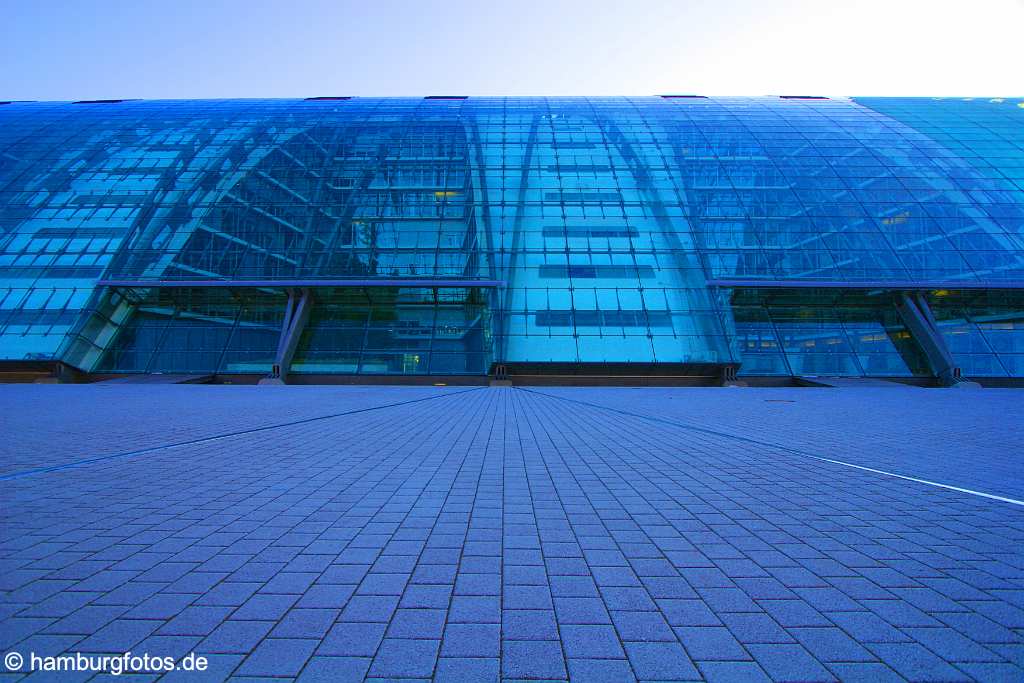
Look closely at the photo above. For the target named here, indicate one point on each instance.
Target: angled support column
(917, 316)
(296, 314)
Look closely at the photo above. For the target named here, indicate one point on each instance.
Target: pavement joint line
(217, 437)
(787, 449)
(1012, 501)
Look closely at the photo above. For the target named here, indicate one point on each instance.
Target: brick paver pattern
(474, 534)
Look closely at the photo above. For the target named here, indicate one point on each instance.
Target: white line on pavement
(1013, 501)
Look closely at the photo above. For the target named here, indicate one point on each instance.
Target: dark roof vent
(100, 101)
(684, 97)
(326, 99)
(802, 97)
(446, 97)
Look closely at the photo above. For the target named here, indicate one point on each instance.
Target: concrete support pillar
(917, 316)
(296, 314)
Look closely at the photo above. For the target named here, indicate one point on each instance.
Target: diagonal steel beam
(296, 315)
(917, 316)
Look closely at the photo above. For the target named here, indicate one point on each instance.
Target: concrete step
(160, 379)
(849, 382)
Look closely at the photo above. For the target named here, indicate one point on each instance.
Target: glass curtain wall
(615, 228)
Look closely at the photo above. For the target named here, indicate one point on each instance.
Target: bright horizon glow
(226, 49)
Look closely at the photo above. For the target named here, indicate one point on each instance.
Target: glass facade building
(781, 236)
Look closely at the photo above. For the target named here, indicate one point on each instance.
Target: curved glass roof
(587, 212)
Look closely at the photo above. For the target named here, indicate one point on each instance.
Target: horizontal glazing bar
(878, 284)
(408, 282)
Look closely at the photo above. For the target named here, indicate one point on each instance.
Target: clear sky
(92, 49)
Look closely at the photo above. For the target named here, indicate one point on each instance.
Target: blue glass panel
(603, 218)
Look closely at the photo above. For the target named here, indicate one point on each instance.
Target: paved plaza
(479, 534)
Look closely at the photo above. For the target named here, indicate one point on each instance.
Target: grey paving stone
(599, 533)
(277, 657)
